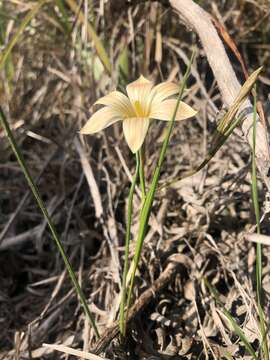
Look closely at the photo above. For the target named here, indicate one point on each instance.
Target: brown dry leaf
(189, 291)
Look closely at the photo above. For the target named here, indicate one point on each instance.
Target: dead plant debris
(200, 228)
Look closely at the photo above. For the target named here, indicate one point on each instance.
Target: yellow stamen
(138, 109)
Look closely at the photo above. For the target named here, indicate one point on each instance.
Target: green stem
(141, 172)
(147, 206)
(128, 230)
(46, 215)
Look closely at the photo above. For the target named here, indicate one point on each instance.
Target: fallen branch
(200, 21)
(144, 299)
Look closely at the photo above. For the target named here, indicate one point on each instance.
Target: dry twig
(144, 299)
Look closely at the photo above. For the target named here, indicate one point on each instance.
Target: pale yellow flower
(144, 102)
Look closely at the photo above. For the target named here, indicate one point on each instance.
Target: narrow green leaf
(228, 356)
(123, 65)
(35, 191)
(232, 321)
(100, 49)
(8, 66)
(64, 21)
(30, 15)
(245, 90)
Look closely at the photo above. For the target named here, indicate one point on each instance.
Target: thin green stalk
(258, 246)
(233, 323)
(35, 191)
(213, 150)
(141, 172)
(128, 230)
(147, 206)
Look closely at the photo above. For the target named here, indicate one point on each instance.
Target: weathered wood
(200, 21)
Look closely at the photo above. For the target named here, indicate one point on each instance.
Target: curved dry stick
(174, 261)
(200, 21)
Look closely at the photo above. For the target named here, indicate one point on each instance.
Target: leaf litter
(200, 227)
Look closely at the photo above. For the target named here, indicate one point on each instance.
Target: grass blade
(64, 21)
(30, 15)
(35, 191)
(100, 49)
(245, 90)
(232, 321)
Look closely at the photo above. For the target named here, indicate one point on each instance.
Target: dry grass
(50, 83)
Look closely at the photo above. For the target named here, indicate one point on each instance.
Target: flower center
(138, 109)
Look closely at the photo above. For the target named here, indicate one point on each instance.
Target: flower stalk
(127, 242)
(147, 206)
(143, 103)
(141, 173)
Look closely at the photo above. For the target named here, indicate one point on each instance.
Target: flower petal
(138, 92)
(100, 120)
(135, 130)
(118, 102)
(165, 110)
(164, 90)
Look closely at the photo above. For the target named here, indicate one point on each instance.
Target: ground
(198, 227)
